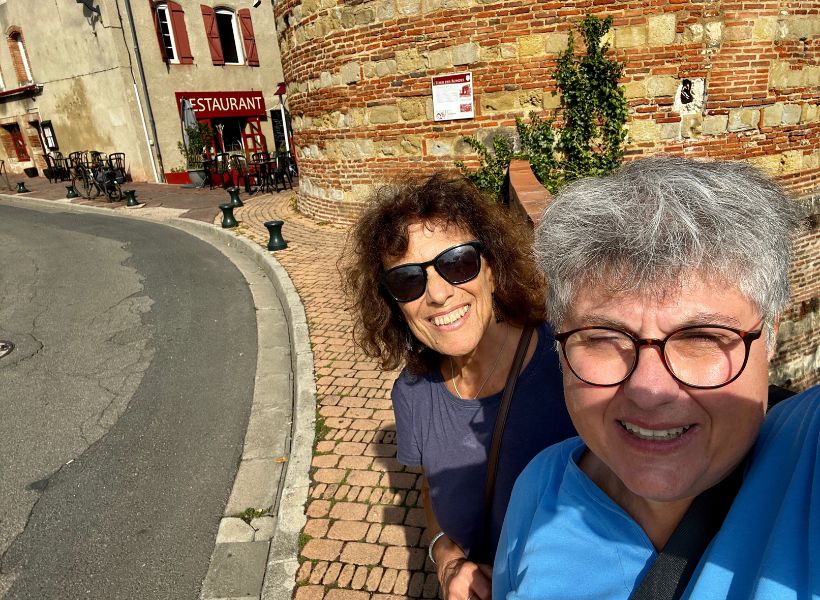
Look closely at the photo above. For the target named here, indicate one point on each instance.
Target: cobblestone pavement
(362, 537)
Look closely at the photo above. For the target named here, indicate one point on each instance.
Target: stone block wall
(359, 85)
(359, 88)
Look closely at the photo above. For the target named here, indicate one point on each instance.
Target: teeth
(450, 317)
(654, 434)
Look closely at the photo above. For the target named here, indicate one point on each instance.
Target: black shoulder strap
(481, 553)
(669, 575)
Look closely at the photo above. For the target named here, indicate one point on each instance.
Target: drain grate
(6, 347)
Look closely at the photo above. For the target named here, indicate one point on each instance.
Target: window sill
(31, 88)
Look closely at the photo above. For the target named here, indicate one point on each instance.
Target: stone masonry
(730, 80)
(359, 83)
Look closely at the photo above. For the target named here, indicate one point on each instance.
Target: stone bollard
(21, 187)
(228, 219)
(276, 241)
(72, 191)
(234, 194)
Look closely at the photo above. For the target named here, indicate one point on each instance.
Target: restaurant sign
(209, 105)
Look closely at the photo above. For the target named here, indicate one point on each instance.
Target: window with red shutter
(246, 26)
(161, 38)
(183, 47)
(212, 33)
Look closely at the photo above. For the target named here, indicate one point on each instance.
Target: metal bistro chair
(244, 172)
(63, 166)
(222, 167)
(280, 173)
(76, 157)
(116, 175)
(51, 168)
(260, 162)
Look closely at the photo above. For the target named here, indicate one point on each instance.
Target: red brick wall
(13, 35)
(359, 82)
(359, 90)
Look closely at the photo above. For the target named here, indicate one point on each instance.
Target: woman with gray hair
(667, 280)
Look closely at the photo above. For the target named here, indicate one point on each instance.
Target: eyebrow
(700, 318)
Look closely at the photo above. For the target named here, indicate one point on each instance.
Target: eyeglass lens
(698, 357)
(456, 265)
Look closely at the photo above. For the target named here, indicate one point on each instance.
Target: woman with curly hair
(443, 283)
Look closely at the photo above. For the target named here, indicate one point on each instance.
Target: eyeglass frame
(747, 336)
(476, 244)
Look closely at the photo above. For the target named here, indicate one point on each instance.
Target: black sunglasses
(456, 265)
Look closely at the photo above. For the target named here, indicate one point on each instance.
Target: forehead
(694, 301)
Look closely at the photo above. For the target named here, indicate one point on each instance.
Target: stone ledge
(528, 198)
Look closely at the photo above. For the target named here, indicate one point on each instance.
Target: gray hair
(648, 225)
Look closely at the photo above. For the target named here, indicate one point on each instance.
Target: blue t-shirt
(450, 438)
(565, 538)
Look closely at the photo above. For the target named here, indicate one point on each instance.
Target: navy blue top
(451, 437)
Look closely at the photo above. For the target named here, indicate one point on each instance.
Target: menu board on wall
(453, 96)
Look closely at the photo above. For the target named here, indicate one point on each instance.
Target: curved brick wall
(359, 90)
(359, 87)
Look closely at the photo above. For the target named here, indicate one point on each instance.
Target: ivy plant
(586, 135)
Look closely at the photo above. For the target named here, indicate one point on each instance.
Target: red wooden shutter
(162, 53)
(212, 33)
(246, 26)
(180, 33)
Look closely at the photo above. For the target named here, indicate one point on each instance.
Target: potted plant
(177, 176)
(200, 137)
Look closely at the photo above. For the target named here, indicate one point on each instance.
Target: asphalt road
(123, 408)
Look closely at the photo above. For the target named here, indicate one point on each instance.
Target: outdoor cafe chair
(243, 170)
(280, 173)
(116, 163)
(222, 167)
(55, 168)
(260, 161)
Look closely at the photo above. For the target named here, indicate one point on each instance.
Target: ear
(773, 344)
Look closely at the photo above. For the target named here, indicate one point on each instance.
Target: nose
(651, 384)
(438, 289)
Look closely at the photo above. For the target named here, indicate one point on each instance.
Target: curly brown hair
(447, 199)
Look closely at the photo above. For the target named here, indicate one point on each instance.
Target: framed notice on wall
(453, 96)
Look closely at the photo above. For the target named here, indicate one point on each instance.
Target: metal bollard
(234, 194)
(21, 187)
(72, 191)
(131, 198)
(228, 219)
(276, 241)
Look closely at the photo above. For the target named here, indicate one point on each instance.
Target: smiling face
(449, 319)
(650, 437)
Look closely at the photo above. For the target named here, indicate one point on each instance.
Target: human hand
(460, 579)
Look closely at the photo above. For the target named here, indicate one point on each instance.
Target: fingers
(461, 579)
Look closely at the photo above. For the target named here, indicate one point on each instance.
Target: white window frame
(48, 135)
(21, 48)
(238, 40)
(163, 12)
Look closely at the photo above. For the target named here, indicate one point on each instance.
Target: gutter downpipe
(155, 149)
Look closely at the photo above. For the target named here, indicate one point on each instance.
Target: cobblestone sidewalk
(362, 540)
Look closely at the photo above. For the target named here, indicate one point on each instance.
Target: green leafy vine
(592, 111)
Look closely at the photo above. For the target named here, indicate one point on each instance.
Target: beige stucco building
(108, 75)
